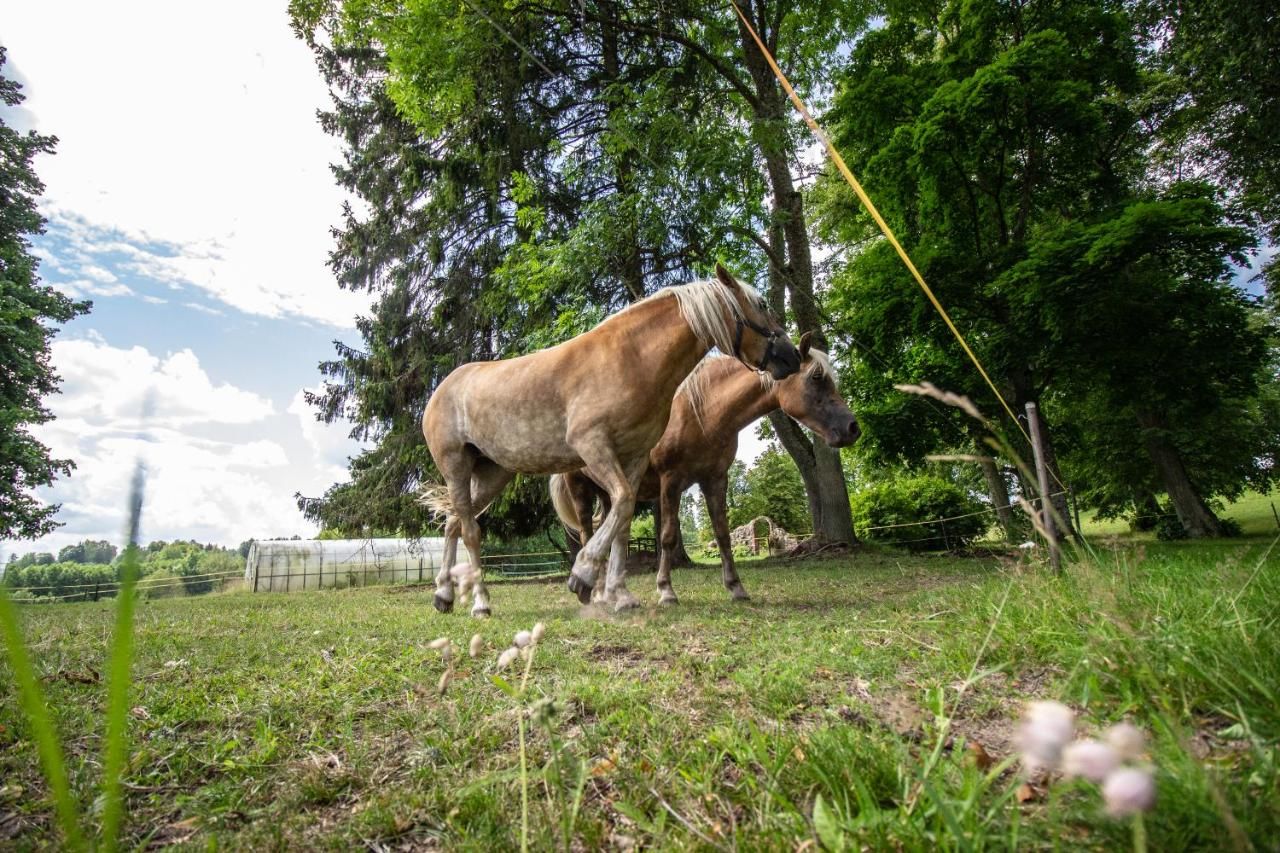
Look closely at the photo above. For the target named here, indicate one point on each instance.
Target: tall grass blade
(119, 675)
(37, 714)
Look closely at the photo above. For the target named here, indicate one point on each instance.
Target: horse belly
(528, 442)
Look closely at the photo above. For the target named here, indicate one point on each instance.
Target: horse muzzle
(782, 359)
(844, 436)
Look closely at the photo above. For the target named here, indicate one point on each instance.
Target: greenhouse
(287, 565)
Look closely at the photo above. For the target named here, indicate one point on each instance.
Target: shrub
(1169, 528)
(78, 580)
(914, 499)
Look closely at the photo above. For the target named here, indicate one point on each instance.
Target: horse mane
(694, 386)
(709, 309)
(823, 359)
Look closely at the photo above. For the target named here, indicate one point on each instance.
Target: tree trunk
(1146, 510)
(1192, 511)
(999, 493)
(820, 466)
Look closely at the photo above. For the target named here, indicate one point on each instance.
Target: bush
(914, 499)
(62, 579)
(1169, 528)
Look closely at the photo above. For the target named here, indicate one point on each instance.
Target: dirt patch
(622, 654)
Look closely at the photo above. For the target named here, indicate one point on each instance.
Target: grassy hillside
(1252, 512)
(889, 686)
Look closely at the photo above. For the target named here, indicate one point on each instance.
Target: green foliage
(88, 551)
(1215, 105)
(29, 314)
(168, 567)
(912, 499)
(61, 579)
(772, 487)
(1008, 147)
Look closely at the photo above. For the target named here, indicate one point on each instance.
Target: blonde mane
(709, 309)
(823, 359)
(694, 386)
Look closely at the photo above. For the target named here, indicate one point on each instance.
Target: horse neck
(662, 342)
(736, 398)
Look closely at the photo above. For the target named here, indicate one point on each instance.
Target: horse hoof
(625, 604)
(668, 601)
(738, 593)
(580, 588)
(482, 613)
(444, 605)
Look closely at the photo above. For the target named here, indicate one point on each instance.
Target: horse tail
(435, 498)
(563, 502)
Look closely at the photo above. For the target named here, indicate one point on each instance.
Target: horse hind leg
(716, 494)
(669, 538)
(444, 581)
(487, 481)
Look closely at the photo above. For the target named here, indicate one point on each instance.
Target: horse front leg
(620, 483)
(615, 584)
(716, 494)
(669, 536)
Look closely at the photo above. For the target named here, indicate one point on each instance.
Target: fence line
(109, 587)
(140, 581)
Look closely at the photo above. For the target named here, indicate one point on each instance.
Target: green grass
(1252, 512)
(313, 720)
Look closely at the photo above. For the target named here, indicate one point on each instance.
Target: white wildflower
(1046, 728)
(445, 678)
(1129, 790)
(523, 638)
(1089, 759)
(1127, 739)
(477, 643)
(538, 631)
(505, 659)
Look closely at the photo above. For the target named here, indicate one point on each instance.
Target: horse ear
(806, 340)
(725, 278)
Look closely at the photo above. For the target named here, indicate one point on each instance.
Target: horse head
(811, 397)
(759, 341)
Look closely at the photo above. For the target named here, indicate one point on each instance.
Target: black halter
(770, 338)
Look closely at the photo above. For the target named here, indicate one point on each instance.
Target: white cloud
(198, 485)
(82, 287)
(208, 144)
(103, 384)
(331, 444)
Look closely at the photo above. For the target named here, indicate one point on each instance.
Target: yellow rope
(875, 214)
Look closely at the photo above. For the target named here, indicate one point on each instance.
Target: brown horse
(598, 402)
(711, 407)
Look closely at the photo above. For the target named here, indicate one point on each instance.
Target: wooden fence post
(1042, 475)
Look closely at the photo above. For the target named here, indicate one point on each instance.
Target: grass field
(861, 683)
(1252, 512)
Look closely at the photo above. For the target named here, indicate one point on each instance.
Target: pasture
(861, 701)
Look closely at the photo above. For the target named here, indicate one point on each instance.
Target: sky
(190, 198)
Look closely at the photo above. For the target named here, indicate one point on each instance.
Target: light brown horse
(598, 402)
(711, 407)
